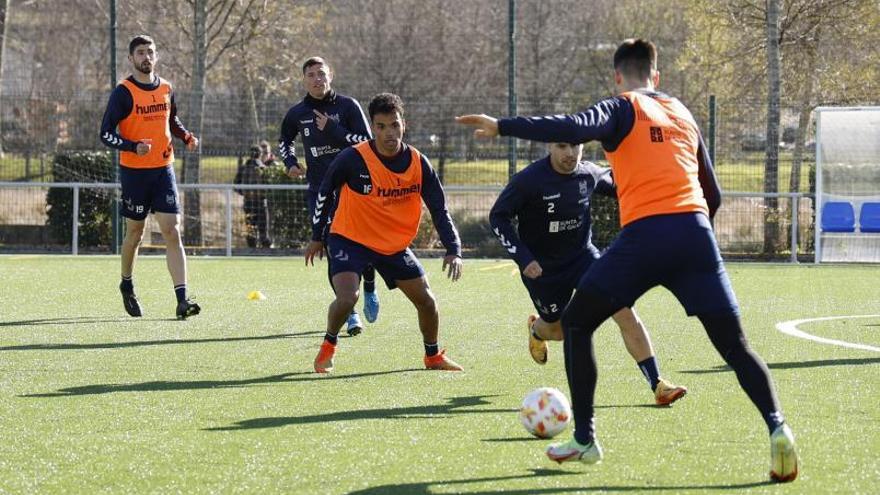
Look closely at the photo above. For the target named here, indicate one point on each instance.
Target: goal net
(848, 184)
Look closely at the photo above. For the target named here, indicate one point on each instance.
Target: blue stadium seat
(838, 216)
(869, 218)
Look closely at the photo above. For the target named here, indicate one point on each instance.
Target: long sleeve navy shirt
(346, 126)
(349, 168)
(552, 211)
(609, 122)
(118, 108)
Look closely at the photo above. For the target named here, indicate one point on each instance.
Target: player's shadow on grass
(166, 386)
(424, 488)
(75, 320)
(795, 365)
(147, 343)
(454, 405)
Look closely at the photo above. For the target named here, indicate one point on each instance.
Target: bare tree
(4, 8)
(771, 157)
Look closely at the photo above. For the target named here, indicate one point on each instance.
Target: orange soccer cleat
(441, 362)
(324, 359)
(537, 347)
(667, 392)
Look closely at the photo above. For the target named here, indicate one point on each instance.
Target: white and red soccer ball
(545, 412)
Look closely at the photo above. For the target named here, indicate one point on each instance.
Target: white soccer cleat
(783, 457)
(572, 451)
(353, 326)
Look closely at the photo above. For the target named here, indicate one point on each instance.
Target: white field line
(791, 328)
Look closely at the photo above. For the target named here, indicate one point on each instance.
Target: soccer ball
(545, 412)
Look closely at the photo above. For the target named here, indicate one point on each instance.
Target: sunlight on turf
(94, 401)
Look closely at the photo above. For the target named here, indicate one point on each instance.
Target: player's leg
(638, 344)
(613, 282)
(345, 286)
(133, 207)
(704, 289)
(175, 260)
(134, 233)
(726, 333)
(250, 221)
(371, 298)
(586, 311)
(420, 295)
(546, 330)
(407, 274)
(550, 294)
(353, 325)
(346, 260)
(262, 222)
(166, 206)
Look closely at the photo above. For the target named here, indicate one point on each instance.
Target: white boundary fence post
(228, 196)
(817, 230)
(75, 226)
(795, 206)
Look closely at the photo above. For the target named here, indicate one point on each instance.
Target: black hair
(316, 61)
(141, 39)
(385, 103)
(635, 59)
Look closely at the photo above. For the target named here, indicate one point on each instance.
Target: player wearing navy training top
(667, 194)
(550, 201)
(143, 108)
(328, 123)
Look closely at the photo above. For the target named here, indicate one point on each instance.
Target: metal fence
(225, 230)
(36, 130)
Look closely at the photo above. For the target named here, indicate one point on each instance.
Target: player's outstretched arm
(484, 125)
(453, 261)
(314, 247)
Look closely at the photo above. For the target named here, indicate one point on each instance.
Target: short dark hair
(255, 151)
(635, 59)
(385, 103)
(315, 61)
(141, 39)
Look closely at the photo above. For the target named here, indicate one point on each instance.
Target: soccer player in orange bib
(381, 184)
(667, 194)
(143, 108)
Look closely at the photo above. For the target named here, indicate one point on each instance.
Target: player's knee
(426, 302)
(134, 233)
(170, 231)
(587, 310)
(727, 336)
(347, 298)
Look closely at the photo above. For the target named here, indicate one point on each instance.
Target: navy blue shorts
(345, 255)
(676, 251)
(148, 190)
(551, 291)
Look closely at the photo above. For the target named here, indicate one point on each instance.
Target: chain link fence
(41, 133)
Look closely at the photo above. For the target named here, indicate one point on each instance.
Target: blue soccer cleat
(354, 326)
(371, 306)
